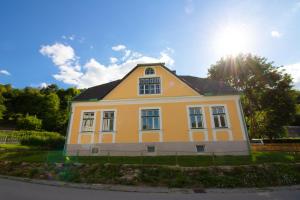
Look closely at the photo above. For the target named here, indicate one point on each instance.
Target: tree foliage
(50, 105)
(268, 99)
(29, 123)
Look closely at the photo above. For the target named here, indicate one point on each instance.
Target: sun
(232, 41)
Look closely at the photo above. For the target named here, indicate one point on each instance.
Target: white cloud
(293, 69)
(4, 72)
(94, 72)
(43, 85)
(189, 7)
(113, 60)
(119, 47)
(59, 53)
(64, 57)
(276, 34)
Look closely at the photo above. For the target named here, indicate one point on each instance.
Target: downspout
(245, 126)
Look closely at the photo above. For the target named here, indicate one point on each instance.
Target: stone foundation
(160, 148)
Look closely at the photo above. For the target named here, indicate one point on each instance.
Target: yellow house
(153, 111)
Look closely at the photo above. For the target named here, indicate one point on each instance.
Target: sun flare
(232, 41)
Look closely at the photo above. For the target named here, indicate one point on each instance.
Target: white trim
(80, 133)
(239, 112)
(101, 132)
(151, 100)
(214, 129)
(71, 124)
(152, 131)
(190, 129)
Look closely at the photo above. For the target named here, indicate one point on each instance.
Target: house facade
(154, 111)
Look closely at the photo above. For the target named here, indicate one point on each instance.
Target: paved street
(15, 190)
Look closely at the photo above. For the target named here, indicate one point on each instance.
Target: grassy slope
(32, 155)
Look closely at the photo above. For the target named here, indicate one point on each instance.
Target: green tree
(268, 99)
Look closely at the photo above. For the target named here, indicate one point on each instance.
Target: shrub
(29, 123)
(45, 140)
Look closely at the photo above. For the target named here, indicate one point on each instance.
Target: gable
(171, 85)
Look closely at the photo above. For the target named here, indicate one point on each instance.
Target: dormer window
(149, 71)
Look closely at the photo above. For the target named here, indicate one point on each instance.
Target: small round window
(149, 71)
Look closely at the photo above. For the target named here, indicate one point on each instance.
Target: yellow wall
(170, 84)
(174, 125)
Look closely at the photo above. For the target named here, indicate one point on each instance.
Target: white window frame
(81, 120)
(226, 116)
(203, 117)
(159, 131)
(191, 130)
(101, 132)
(102, 120)
(141, 121)
(149, 76)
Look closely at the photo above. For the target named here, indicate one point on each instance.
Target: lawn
(27, 154)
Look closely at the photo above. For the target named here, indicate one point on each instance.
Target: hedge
(44, 139)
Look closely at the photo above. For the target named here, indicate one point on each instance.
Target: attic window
(149, 71)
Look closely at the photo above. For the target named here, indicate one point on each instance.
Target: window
(150, 119)
(149, 71)
(219, 117)
(108, 121)
(200, 148)
(149, 85)
(95, 150)
(87, 122)
(150, 149)
(196, 118)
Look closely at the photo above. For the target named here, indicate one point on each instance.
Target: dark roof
(96, 92)
(203, 86)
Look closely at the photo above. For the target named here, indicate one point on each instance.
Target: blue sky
(85, 43)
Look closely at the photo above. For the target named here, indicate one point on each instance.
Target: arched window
(149, 71)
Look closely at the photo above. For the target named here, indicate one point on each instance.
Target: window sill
(150, 130)
(107, 132)
(221, 128)
(86, 132)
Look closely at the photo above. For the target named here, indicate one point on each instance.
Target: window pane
(156, 123)
(144, 123)
(193, 122)
(111, 125)
(149, 122)
(199, 121)
(223, 120)
(216, 120)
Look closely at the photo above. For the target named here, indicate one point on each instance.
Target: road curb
(107, 187)
(147, 189)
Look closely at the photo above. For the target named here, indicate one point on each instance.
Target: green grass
(14, 147)
(189, 161)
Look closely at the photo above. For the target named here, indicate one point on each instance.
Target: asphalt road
(15, 190)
